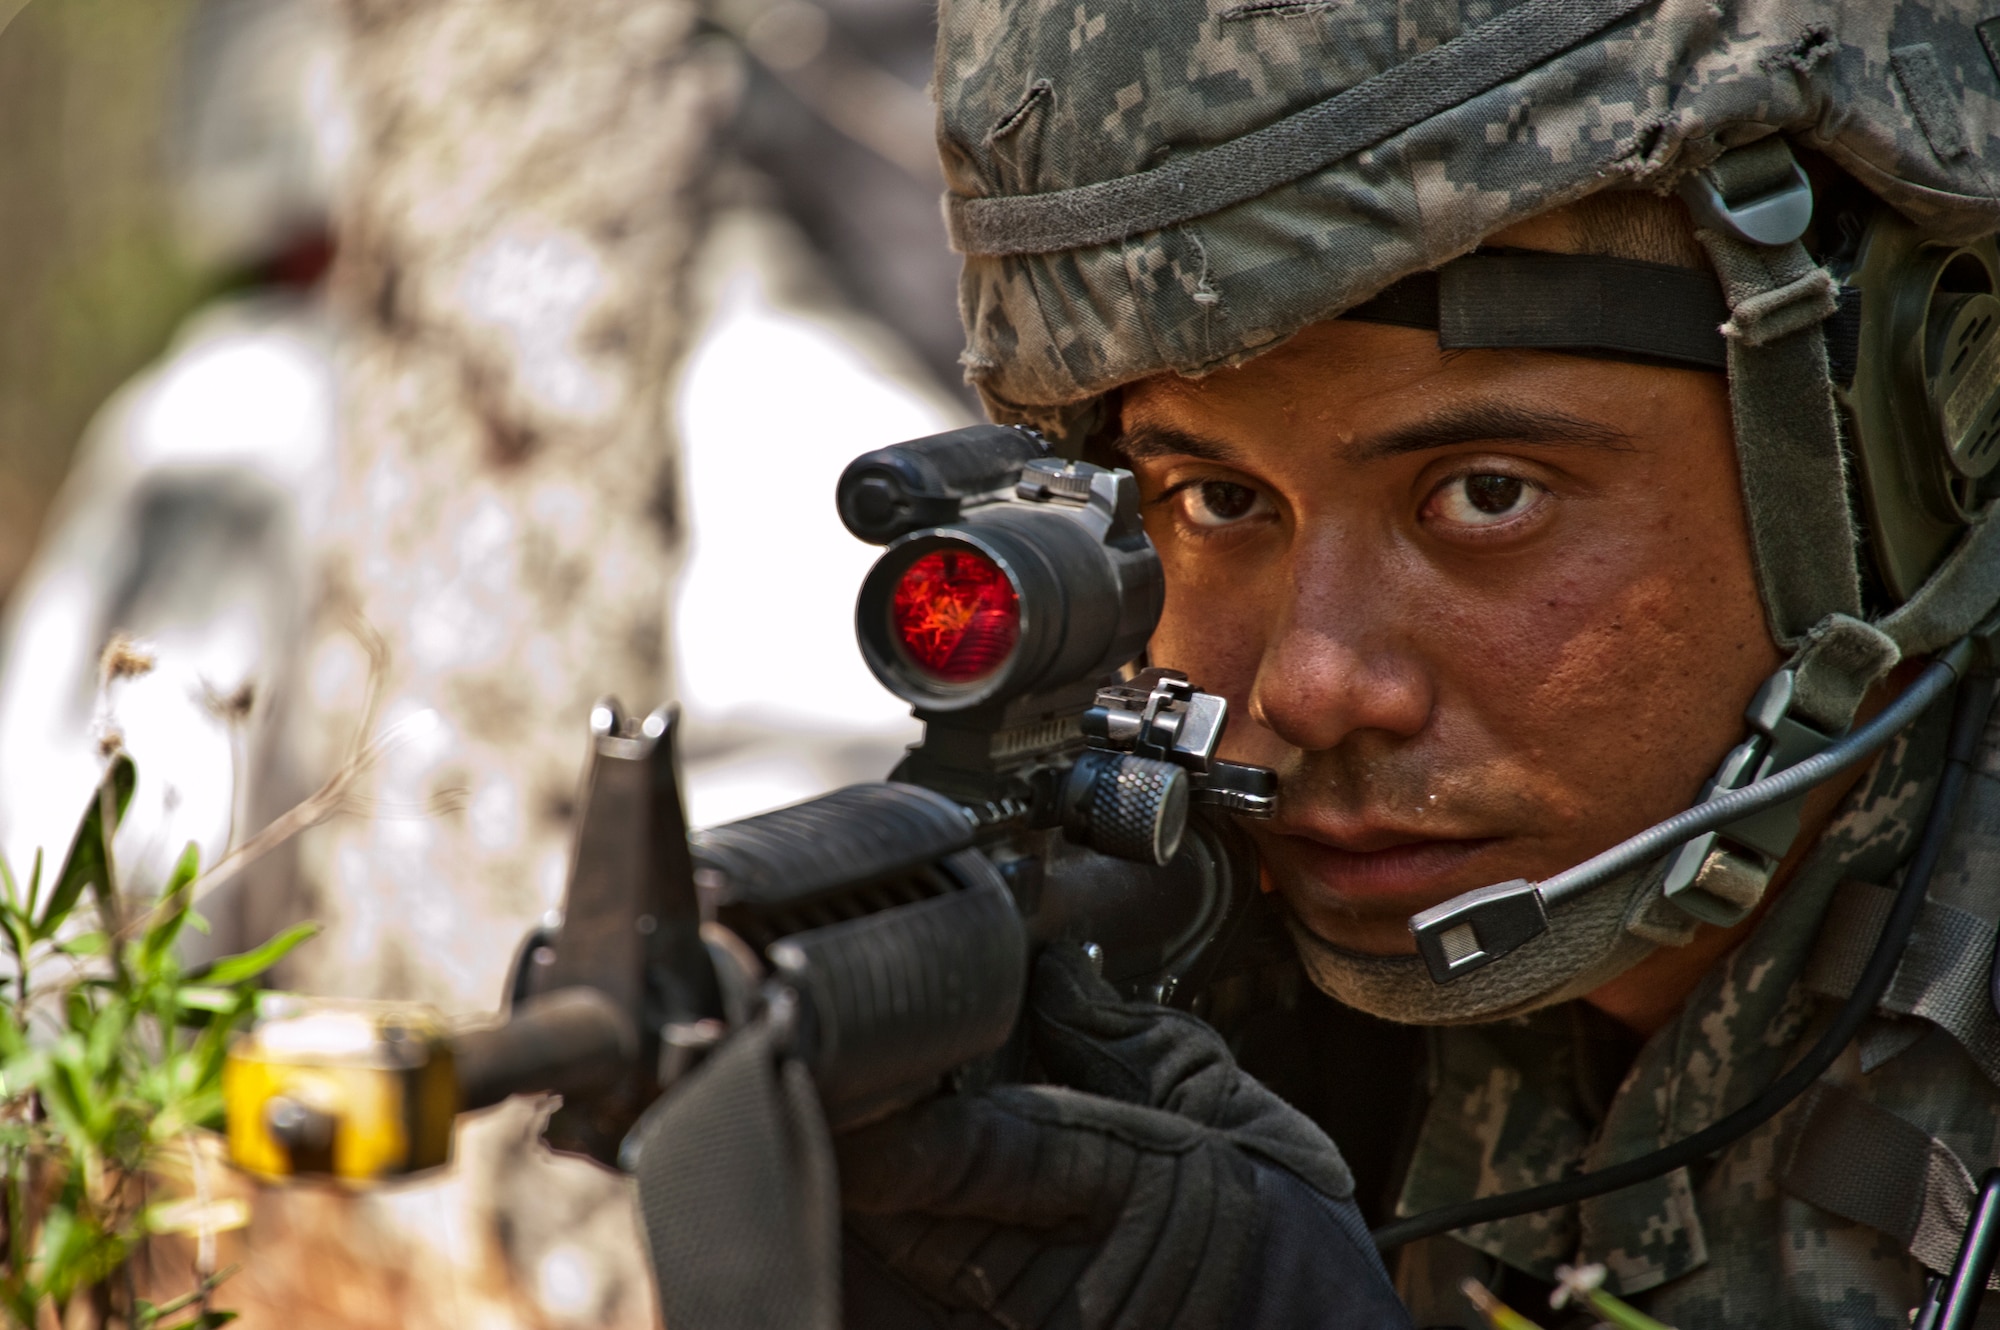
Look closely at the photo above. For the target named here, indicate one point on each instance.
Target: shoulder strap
(1858, 1160)
(1944, 972)
(737, 1190)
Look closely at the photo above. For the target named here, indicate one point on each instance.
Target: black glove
(1154, 1186)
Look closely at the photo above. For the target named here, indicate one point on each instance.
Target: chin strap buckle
(1757, 193)
(1720, 877)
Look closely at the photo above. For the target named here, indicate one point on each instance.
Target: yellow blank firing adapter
(349, 1090)
(362, 1091)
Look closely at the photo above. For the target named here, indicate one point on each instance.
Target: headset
(1914, 351)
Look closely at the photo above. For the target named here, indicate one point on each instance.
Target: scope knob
(1128, 807)
(874, 504)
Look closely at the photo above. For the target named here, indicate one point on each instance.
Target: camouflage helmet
(1148, 185)
(1144, 186)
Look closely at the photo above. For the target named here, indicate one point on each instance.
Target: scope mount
(1158, 714)
(1007, 629)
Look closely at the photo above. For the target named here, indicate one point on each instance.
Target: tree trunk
(522, 202)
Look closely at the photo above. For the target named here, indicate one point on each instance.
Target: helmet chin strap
(1587, 941)
(1470, 932)
(1971, 708)
(1725, 846)
(1751, 205)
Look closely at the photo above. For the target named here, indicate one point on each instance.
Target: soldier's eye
(1484, 499)
(1215, 503)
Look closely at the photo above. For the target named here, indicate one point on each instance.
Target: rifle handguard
(891, 1001)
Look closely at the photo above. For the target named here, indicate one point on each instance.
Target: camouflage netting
(1144, 185)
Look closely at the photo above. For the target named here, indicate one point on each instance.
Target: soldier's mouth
(1401, 875)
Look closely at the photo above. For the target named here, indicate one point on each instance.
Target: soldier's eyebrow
(1145, 442)
(1478, 422)
(1493, 422)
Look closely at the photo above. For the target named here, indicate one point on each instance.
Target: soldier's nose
(1315, 688)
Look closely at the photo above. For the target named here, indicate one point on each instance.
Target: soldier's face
(1487, 612)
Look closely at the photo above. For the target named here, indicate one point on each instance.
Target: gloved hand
(1152, 1186)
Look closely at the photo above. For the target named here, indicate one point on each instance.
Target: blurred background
(399, 376)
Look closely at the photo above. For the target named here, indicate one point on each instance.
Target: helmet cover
(1152, 185)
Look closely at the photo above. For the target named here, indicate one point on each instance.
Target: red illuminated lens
(956, 614)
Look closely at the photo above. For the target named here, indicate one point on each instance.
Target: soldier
(1518, 391)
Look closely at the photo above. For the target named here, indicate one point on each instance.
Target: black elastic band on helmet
(1587, 304)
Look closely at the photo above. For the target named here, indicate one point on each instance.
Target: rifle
(1058, 792)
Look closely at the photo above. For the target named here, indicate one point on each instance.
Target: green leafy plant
(111, 1056)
